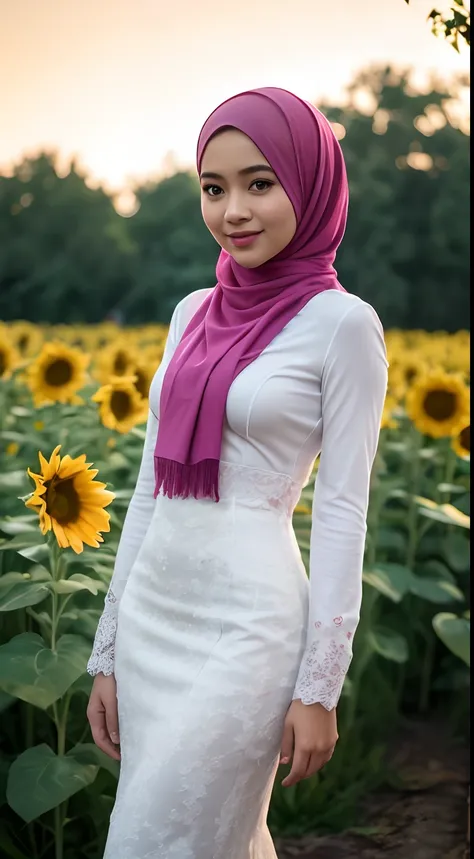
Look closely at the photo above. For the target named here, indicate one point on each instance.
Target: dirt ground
(428, 819)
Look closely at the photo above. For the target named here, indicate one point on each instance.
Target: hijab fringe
(200, 480)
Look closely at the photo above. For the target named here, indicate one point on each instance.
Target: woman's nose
(237, 209)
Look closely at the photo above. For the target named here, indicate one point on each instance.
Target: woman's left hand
(310, 736)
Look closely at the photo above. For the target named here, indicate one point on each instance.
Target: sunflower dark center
(410, 373)
(120, 405)
(465, 438)
(62, 501)
(58, 373)
(141, 383)
(23, 343)
(120, 364)
(440, 405)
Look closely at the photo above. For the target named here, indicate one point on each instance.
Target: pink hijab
(248, 307)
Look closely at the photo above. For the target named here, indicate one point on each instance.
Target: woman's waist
(243, 486)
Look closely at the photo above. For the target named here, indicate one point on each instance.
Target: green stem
(415, 481)
(31, 835)
(364, 652)
(426, 674)
(56, 574)
(60, 810)
(60, 718)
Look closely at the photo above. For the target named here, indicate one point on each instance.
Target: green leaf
(89, 753)
(39, 780)
(391, 580)
(456, 550)
(452, 488)
(35, 674)
(14, 481)
(435, 569)
(446, 513)
(391, 540)
(13, 525)
(83, 685)
(23, 541)
(17, 590)
(75, 583)
(40, 554)
(389, 644)
(455, 633)
(436, 590)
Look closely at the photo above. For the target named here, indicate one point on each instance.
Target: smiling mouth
(242, 240)
(244, 235)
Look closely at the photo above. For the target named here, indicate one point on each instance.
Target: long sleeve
(353, 388)
(135, 526)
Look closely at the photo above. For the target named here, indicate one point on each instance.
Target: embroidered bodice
(317, 389)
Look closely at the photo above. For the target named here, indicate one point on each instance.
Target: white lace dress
(211, 625)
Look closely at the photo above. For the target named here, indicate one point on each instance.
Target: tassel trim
(180, 480)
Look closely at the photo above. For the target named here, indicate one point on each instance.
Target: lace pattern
(101, 660)
(325, 664)
(255, 487)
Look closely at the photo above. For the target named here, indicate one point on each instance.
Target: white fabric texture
(210, 624)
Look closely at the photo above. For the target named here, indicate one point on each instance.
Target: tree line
(67, 256)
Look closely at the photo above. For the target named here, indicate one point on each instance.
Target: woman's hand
(310, 735)
(102, 714)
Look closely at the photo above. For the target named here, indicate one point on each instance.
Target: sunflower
(143, 373)
(69, 501)
(57, 374)
(411, 366)
(9, 356)
(438, 404)
(121, 406)
(117, 359)
(461, 443)
(26, 337)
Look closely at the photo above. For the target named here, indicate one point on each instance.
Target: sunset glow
(125, 86)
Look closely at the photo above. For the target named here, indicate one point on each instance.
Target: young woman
(224, 659)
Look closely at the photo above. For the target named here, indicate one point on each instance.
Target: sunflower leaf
(14, 481)
(40, 554)
(75, 583)
(389, 644)
(17, 590)
(435, 590)
(51, 779)
(89, 753)
(23, 541)
(455, 633)
(392, 580)
(35, 674)
(13, 525)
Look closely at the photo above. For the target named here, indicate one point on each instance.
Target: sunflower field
(73, 403)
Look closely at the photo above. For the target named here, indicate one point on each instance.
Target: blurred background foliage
(68, 256)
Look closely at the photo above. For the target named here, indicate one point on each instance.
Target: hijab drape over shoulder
(249, 306)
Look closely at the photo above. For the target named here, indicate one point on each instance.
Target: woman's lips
(243, 241)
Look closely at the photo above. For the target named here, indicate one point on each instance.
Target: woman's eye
(261, 182)
(208, 188)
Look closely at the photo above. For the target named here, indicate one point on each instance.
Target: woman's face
(241, 195)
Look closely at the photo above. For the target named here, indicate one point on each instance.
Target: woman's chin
(246, 258)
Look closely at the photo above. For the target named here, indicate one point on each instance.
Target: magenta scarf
(248, 307)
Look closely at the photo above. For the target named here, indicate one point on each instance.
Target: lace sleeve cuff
(102, 657)
(325, 664)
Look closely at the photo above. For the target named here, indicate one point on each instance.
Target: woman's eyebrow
(256, 168)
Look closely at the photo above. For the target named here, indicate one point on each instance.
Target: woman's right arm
(135, 526)
(134, 529)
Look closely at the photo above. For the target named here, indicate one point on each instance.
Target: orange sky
(123, 82)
